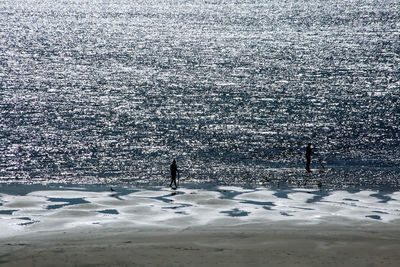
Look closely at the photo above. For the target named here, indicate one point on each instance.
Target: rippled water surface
(111, 91)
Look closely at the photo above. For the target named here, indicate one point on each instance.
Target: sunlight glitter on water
(105, 92)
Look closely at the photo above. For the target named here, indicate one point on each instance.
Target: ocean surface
(111, 91)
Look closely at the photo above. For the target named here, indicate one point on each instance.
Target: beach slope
(250, 245)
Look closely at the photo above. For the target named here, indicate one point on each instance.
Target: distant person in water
(309, 152)
(174, 170)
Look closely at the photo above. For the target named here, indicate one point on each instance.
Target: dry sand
(276, 244)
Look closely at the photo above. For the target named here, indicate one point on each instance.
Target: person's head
(309, 144)
(174, 161)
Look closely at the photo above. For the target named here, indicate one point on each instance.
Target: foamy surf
(60, 208)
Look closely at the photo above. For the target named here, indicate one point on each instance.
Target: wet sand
(223, 226)
(247, 245)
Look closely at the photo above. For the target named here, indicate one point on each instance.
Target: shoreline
(222, 226)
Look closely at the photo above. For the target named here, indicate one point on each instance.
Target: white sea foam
(161, 207)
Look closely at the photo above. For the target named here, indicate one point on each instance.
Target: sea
(109, 92)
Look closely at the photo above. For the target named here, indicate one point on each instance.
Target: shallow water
(27, 209)
(112, 91)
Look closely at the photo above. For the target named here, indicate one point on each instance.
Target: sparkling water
(111, 91)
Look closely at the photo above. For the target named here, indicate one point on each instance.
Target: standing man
(309, 152)
(174, 170)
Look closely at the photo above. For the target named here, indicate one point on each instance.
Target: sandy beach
(228, 226)
(250, 245)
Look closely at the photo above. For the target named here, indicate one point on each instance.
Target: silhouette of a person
(309, 152)
(174, 170)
